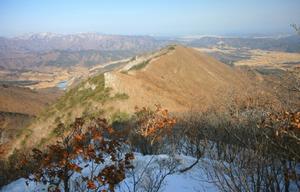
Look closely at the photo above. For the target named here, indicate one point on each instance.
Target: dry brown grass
(181, 80)
(23, 100)
(276, 59)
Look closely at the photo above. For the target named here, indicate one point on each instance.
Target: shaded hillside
(87, 99)
(18, 107)
(24, 100)
(11, 124)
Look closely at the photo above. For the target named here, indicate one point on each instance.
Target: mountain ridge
(183, 73)
(178, 78)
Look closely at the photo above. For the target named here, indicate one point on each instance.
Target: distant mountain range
(86, 49)
(42, 42)
(281, 43)
(34, 51)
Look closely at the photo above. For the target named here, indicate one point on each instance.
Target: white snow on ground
(192, 180)
(187, 182)
(20, 185)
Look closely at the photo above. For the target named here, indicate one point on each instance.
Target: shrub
(119, 117)
(9, 169)
(86, 145)
(140, 65)
(171, 47)
(121, 96)
(246, 153)
(150, 129)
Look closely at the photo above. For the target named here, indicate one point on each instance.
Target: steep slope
(18, 107)
(180, 79)
(11, 125)
(23, 100)
(87, 99)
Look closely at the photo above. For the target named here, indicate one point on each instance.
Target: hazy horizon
(156, 18)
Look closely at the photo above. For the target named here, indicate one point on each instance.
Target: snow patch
(181, 182)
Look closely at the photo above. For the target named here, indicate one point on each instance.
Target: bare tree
(297, 29)
(150, 176)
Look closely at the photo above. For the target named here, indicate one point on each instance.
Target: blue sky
(152, 17)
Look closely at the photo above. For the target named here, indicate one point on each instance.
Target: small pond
(62, 85)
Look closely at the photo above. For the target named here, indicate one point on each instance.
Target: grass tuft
(140, 65)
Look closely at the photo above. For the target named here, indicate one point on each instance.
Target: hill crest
(176, 77)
